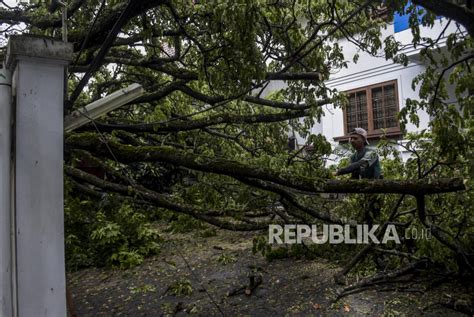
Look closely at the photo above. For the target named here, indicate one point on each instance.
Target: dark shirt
(364, 164)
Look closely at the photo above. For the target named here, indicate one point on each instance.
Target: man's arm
(353, 167)
(369, 158)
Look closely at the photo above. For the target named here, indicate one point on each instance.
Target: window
(373, 108)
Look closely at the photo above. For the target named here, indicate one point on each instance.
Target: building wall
(370, 70)
(332, 122)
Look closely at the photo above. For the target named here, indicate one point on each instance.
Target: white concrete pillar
(37, 66)
(5, 211)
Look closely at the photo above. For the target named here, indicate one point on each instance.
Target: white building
(377, 88)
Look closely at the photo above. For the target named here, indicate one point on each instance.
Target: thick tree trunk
(127, 154)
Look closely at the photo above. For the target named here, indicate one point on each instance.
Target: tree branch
(128, 154)
(161, 200)
(188, 125)
(446, 8)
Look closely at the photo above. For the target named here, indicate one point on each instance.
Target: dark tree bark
(447, 8)
(128, 154)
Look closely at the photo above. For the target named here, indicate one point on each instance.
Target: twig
(379, 278)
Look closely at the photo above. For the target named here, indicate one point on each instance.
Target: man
(364, 164)
(365, 161)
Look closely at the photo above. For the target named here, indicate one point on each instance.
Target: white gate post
(37, 66)
(5, 211)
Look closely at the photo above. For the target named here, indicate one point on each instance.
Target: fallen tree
(209, 139)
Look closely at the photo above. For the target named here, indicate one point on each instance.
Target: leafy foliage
(208, 142)
(226, 258)
(181, 288)
(108, 232)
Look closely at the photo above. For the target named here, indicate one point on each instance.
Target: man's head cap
(360, 132)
